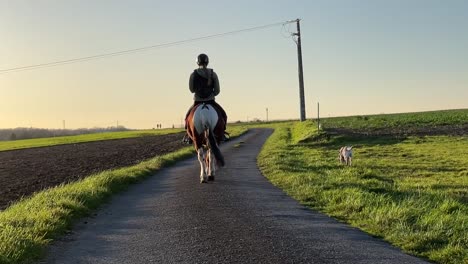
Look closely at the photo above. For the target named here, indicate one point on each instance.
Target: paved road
(240, 218)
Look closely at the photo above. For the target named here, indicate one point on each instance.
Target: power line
(123, 52)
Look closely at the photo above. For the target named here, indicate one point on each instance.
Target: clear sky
(360, 57)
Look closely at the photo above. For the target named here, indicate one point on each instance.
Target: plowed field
(25, 171)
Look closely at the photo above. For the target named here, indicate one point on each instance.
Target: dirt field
(25, 171)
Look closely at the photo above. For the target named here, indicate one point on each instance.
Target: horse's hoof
(203, 181)
(210, 178)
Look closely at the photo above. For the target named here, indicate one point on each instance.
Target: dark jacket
(204, 73)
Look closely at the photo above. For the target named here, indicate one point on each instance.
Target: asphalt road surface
(239, 218)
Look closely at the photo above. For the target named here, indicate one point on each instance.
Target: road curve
(239, 218)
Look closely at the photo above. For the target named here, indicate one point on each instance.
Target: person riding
(204, 84)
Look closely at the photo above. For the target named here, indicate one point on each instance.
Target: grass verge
(412, 192)
(29, 225)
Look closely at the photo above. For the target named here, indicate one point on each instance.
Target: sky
(360, 57)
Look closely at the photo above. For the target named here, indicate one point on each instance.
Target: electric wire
(141, 49)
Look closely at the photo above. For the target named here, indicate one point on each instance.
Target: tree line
(28, 133)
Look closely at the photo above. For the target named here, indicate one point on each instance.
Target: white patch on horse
(346, 155)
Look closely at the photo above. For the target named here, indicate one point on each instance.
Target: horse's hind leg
(211, 166)
(201, 159)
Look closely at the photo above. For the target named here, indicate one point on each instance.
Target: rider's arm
(216, 84)
(191, 83)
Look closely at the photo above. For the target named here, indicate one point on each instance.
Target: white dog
(346, 155)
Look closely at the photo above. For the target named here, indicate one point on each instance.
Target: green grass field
(43, 142)
(405, 120)
(412, 192)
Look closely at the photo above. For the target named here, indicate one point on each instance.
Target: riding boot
(186, 139)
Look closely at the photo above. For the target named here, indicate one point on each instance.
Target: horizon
(233, 122)
(360, 58)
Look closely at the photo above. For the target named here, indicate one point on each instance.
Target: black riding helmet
(202, 59)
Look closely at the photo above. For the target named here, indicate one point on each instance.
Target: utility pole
(267, 114)
(301, 78)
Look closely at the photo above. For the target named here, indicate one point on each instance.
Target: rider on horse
(204, 83)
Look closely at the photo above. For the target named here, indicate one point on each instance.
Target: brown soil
(25, 171)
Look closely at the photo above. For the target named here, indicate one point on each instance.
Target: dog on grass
(346, 155)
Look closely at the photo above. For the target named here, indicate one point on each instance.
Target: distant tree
(13, 136)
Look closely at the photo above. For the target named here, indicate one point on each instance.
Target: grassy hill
(403, 120)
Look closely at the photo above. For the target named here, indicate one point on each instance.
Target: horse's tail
(214, 147)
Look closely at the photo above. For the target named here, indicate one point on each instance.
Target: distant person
(204, 84)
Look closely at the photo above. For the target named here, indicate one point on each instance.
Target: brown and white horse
(205, 128)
